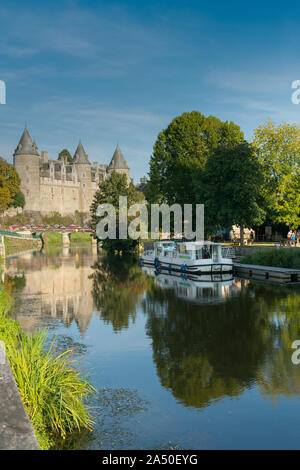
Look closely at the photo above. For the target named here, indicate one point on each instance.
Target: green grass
(16, 245)
(78, 238)
(52, 389)
(53, 238)
(275, 257)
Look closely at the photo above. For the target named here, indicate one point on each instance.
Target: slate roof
(26, 146)
(118, 162)
(80, 156)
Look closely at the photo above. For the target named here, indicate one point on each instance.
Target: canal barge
(187, 257)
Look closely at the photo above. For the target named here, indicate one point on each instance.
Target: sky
(113, 73)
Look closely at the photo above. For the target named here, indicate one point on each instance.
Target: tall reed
(53, 391)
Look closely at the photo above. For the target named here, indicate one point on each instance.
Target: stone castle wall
(58, 185)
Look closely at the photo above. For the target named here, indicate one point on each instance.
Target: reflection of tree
(278, 375)
(117, 286)
(14, 283)
(204, 352)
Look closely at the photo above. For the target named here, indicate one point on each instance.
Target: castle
(58, 185)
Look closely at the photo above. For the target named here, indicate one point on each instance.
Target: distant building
(57, 185)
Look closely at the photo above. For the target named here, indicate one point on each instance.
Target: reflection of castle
(61, 290)
(59, 185)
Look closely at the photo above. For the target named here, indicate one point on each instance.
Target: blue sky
(118, 72)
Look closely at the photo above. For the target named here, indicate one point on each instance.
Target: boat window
(182, 249)
(203, 253)
(215, 253)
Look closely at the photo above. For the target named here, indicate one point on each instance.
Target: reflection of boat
(207, 288)
(187, 257)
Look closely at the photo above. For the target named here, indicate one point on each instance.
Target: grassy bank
(53, 239)
(52, 390)
(276, 257)
(16, 245)
(76, 238)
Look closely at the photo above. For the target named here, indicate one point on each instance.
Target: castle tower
(84, 177)
(118, 164)
(26, 162)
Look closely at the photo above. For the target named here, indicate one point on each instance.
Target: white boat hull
(208, 267)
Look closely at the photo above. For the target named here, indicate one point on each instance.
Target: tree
(180, 154)
(19, 200)
(279, 152)
(233, 178)
(65, 153)
(9, 184)
(108, 193)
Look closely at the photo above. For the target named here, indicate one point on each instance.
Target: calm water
(178, 363)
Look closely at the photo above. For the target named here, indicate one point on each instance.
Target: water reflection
(55, 286)
(211, 338)
(118, 285)
(209, 350)
(202, 289)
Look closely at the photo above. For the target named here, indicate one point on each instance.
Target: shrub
(276, 257)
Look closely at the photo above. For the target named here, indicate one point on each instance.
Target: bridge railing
(30, 236)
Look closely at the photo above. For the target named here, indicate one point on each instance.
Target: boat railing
(228, 252)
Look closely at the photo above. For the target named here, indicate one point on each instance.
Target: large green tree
(180, 154)
(279, 152)
(108, 193)
(233, 179)
(9, 184)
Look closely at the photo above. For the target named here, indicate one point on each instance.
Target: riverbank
(17, 245)
(274, 257)
(53, 391)
(76, 238)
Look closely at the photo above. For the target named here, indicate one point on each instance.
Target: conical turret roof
(26, 146)
(80, 155)
(118, 162)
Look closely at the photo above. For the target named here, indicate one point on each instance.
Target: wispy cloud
(249, 81)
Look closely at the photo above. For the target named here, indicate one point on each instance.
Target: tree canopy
(233, 179)
(279, 152)
(180, 154)
(9, 184)
(108, 193)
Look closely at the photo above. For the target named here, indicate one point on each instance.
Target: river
(178, 363)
